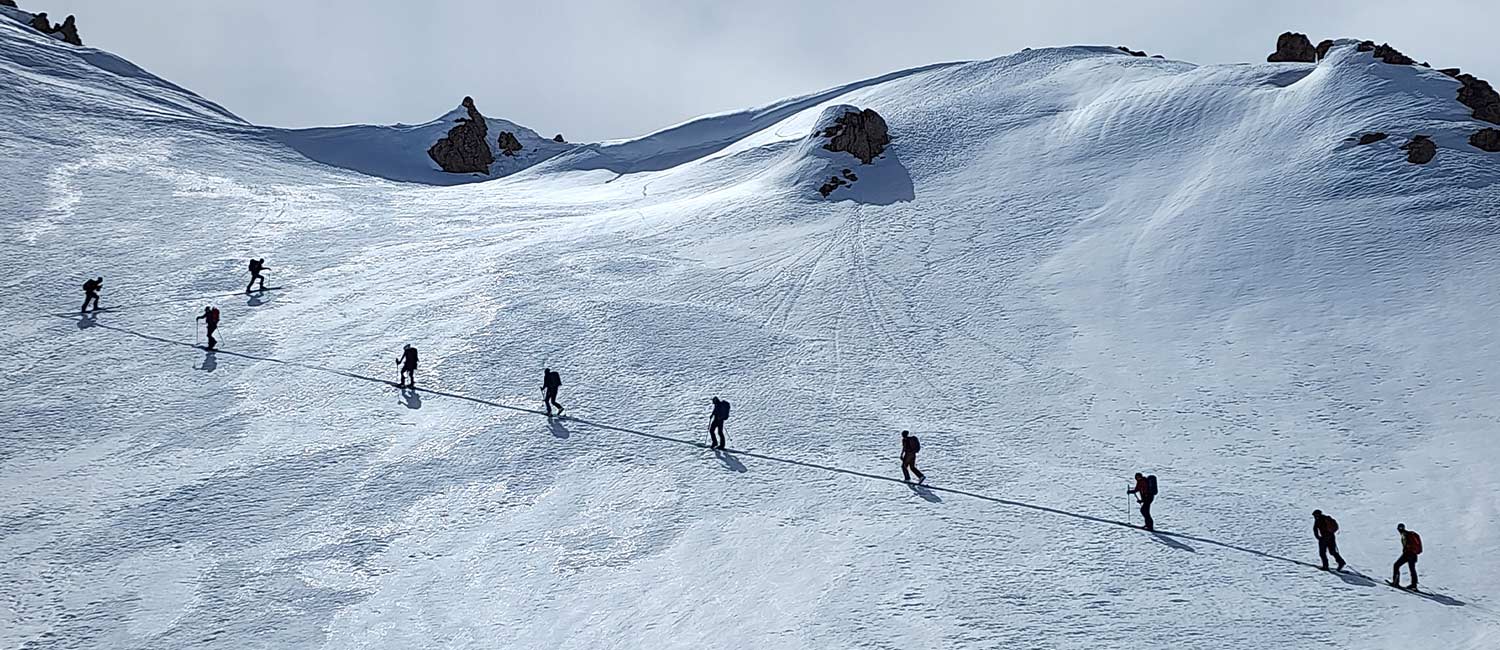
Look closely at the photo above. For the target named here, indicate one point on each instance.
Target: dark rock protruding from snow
(1129, 51)
(465, 149)
(1420, 150)
(861, 133)
(508, 143)
(1292, 47)
(1323, 48)
(1391, 55)
(1477, 94)
(8, 3)
(40, 23)
(69, 31)
(1452, 72)
(1486, 139)
(1370, 138)
(1365, 46)
(558, 138)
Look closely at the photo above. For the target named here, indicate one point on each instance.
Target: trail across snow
(1092, 264)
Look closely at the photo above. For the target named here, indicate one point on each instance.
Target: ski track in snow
(1110, 264)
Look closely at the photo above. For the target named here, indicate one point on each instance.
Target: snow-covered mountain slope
(1070, 265)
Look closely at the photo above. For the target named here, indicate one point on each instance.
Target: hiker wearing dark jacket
(91, 293)
(910, 445)
(1411, 547)
(716, 423)
(256, 266)
(551, 381)
(1145, 493)
(408, 363)
(210, 318)
(1325, 530)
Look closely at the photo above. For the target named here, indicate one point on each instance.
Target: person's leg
(1396, 569)
(1333, 548)
(716, 434)
(920, 476)
(1146, 514)
(1323, 551)
(1411, 564)
(86, 299)
(250, 284)
(906, 468)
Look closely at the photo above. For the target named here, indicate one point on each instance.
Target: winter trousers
(1328, 544)
(1410, 560)
(716, 434)
(1146, 512)
(909, 467)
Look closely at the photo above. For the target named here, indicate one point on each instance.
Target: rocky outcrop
(465, 150)
(1292, 47)
(1323, 48)
(1365, 46)
(1391, 55)
(508, 143)
(861, 133)
(558, 138)
(1477, 94)
(69, 31)
(1420, 150)
(1129, 51)
(1371, 138)
(1486, 139)
(8, 3)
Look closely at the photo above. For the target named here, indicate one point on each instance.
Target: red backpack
(1415, 541)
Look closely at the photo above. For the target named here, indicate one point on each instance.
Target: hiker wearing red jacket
(1145, 493)
(1411, 547)
(1325, 530)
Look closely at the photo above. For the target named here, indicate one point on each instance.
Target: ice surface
(1097, 264)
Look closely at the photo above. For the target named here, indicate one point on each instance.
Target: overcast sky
(597, 69)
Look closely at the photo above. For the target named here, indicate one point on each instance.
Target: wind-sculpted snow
(1069, 265)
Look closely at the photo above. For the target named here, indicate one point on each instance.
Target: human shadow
(256, 299)
(411, 399)
(558, 429)
(730, 462)
(1437, 598)
(1166, 539)
(1355, 578)
(210, 363)
(87, 320)
(922, 491)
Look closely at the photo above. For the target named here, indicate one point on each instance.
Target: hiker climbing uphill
(716, 423)
(408, 363)
(91, 293)
(1325, 529)
(910, 445)
(1411, 547)
(210, 318)
(256, 266)
(551, 381)
(1145, 493)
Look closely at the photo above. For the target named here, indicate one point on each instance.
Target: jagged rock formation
(1391, 55)
(508, 143)
(1486, 139)
(1420, 150)
(558, 138)
(69, 31)
(861, 133)
(1477, 94)
(465, 149)
(1370, 138)
(8, 3)
(1129, 51)
(1323, 48)
(1292, 47)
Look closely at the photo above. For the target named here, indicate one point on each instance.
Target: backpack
(553, 379)
(1416, 542)
(1330, 525)
(723, 409)
(916, 444)
(1151, 485)
(213, 316)
(256, 265)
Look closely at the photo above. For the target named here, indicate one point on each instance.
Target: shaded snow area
(1069, 265)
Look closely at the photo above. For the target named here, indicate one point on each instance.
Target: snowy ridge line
(1364, 580)
(169, 301)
